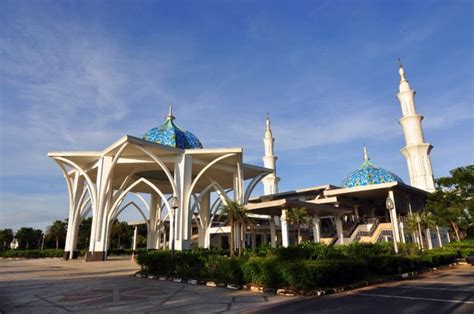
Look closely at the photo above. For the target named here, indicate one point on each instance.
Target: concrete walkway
(56, 286)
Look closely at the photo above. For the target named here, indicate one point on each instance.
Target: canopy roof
(134, 160)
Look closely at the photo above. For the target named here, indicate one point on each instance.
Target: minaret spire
(366, 154)
(170, 113)
(270, 182)
(416, 151)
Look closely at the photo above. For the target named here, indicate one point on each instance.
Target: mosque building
(178, 187)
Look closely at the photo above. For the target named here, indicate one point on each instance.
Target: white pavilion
(182, 185)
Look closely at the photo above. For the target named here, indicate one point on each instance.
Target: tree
(299, 216)
(57, 231)
(427, 222)
(6, 237)
(29, 238)
(119, 230)
(234, 213)
(412, 225)
(453, 202)
(84, 233)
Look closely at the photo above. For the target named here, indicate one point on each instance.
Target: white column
(447, 236)
(100, 224)
(273, 235)
(152, 232)
(402, 232)
(316, 229)
(135, 233)
(393, 217)
(74, 214)
(440, 243)
(183, 180)
(204, 215)
(339, 229)
(284, 228)
(428, 238)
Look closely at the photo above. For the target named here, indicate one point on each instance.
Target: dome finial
(170, 113)
(401, 71)
(366, 153)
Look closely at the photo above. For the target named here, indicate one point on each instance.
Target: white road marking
(432, 288)
(411, 298)
(443, 282)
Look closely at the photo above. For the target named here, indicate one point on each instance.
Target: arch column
(183, 217)
(204, 220)
(100, 223)
(74, 215)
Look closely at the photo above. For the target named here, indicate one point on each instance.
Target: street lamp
(390, 206)
(174, 206)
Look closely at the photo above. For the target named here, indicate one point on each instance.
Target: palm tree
(412, 226)
(299, 216)
(57, 230)
(234, 214)
(119, 229)
(427, 222)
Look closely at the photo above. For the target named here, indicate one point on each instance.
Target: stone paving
(57, 286)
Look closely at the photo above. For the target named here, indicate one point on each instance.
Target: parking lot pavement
(446, 291)
(57, 286)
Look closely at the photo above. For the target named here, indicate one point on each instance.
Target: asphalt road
(447, 291)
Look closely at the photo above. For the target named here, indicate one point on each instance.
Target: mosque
(178, 187)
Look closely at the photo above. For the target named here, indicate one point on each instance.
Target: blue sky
(77, 75)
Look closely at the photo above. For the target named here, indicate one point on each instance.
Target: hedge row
(32, 253)
(284, 272)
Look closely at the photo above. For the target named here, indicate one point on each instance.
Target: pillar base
(66, 254)
(97, 256)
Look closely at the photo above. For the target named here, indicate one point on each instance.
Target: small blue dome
(170, 134)
(369, 174)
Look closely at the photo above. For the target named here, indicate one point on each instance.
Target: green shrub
(263, 271)
(308, 250)
(362, 250)
(408, 249)
(32, 253)
(311, 274)
(187, 264)
(159, 263)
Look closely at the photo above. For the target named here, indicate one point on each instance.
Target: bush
(362, 250)
(309, 250)
(307, 266)
(222, 269)
(311, 274)
(32, 253)
(263, 271)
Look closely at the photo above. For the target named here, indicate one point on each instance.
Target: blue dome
(368, 174)
(170, 134)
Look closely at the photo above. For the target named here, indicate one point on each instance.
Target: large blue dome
(170, 134)
(368, 174)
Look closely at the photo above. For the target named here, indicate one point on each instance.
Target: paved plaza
(446, 291)
(57, 286)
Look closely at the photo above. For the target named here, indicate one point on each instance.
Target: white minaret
(416, 151)
(270, 182)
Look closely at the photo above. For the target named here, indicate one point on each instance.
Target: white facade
(416, 151)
